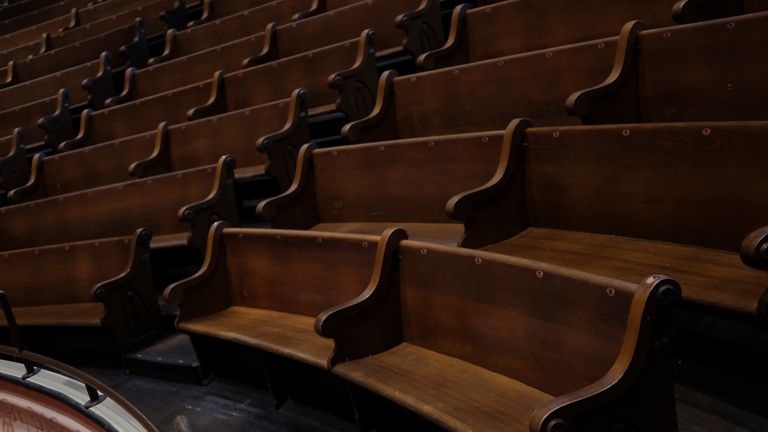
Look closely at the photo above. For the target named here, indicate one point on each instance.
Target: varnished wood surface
(284, 334)
(75, 315)
(426, 382)
(26, 117)
(443, 233)
(710, 277)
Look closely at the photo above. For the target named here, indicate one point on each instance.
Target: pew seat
(426, 382)
(75, 314)
(286, 334)
(448, 234)
(711, 277)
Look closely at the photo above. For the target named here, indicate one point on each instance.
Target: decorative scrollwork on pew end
(423, 28)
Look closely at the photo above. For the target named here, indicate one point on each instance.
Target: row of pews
(496, 237)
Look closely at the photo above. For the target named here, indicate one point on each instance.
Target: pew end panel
(127, 94)
(381, 123)
(296, 208)
(159, 161)
(176, 17)
(217, 101)
(220, 204)
(136, 53)
(14, 170)
(269, 49)
(754, 253)
(168, 51)
(83, 137)
(100, 87)
(691, 11)
(58, 125)
(423, 28)
(203, 293)
(357, 85)
(615, 99)
(317, 7)
(640, 379)
(282, 148)
(35, 187)
(370, 323)
(496, 210)
(130, 300)
(456, 47)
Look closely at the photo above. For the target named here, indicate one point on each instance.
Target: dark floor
(227, 406)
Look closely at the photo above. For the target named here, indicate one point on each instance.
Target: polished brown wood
(516, 26)
(485, 95)
(430, 172)
(217, 9)
(339, 77)
(472, 340)
(173, 148)
(32, 33)
(105, 282)
(13, 164)
(707, 71)
(41, 15)
(262, 288)
(594, 200)
(27, 116)
(176, 207)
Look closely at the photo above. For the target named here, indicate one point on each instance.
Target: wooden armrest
(374, 312)
(208, 6)
(170, 37)
(220, 204)
(129, 299)
(496, 210)
(175, 293)
(217, 101)
(136, 53)
(283, 147)
(34, 188)
(354, 84)
(14, 170)
(10, 75)
(45, 43)
(176, 17)
(158, 162)
(83, 135)
(642, 370)
(129, 85)
(268, 50)
(423, 28)
(74, 20)
(100, 87)
(456, 48)
(58, 126)
(380, 124)
(582, 102)
(754, 249)
(296, 207)
(317, 7)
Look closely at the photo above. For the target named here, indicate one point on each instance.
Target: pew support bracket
(282, 148)
(456, 48)
(501, 201)
(159, 161)
(615, 99)
(376, 311)
(642, 371)
(129, 299)
(217, 101)
(14, 170)
(381, 123)
(357, 85)
(220, 204)
(296, 207)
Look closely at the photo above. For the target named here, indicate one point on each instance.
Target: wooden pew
(230, 28)
(213, 10)
(276, 42)
(430, 171)
(42, 15)
(177, 207)
(696, 72)
(86, 83)
(273, 310)
(591, 197)
(98, 283)
(688, 11)
(469, 340)
(129, 40)
(518, 26)
(28, 115)
(32, 33)
(349, 67)
(419, 19)
(175, 148)
(22, 7)
(485, 95)
(14, 170)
